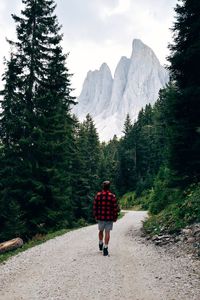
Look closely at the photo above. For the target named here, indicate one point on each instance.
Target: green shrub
(162, 194)
(144, 200)
(167, 221)
(128, 200)
(144, 184)
(190, 209)
(184, 210)
(81, 223)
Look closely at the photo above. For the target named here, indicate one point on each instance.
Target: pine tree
(109, 163)
(127, 125)
(144, 142)
(185, 71)
(11, 222)
(36, 126)
(86, 165)
(163, 123)
(127, 158)
(92, 162)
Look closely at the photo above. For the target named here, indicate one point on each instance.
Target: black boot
(100, 246)
(105, 251)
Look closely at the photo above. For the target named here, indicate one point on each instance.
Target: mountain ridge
(137, 81)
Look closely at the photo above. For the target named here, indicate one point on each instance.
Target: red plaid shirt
(105, 206)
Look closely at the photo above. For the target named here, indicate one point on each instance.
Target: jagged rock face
(137, 81)
(96, 92)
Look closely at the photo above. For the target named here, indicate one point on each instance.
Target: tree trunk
(11, 245)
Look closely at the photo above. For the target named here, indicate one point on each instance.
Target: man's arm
(115, 208)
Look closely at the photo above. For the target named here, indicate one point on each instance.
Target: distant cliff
(137, 81)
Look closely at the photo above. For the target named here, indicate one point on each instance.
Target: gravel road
(72, 267)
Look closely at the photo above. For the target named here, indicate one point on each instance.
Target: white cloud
(121, 8)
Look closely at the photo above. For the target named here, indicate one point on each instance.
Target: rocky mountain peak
(138, 45)
(137, 81)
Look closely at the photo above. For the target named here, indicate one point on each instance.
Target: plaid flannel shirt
(105, 207)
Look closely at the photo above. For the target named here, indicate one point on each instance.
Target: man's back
(105, 206)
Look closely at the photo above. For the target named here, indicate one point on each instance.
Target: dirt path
(71, 267)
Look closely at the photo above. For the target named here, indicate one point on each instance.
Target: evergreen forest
(51, 165)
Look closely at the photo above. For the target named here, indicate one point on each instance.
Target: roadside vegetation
(130, 202)
(183, 210)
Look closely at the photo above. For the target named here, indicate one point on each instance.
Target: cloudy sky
(97, 31)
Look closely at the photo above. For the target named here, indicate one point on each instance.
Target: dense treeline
(144, 149)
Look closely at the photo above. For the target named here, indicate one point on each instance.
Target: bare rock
(187, 231)
(196, 232)
(191, 240)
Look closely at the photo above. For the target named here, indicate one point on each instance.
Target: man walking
(105, 211)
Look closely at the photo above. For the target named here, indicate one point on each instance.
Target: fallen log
(11, 245)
